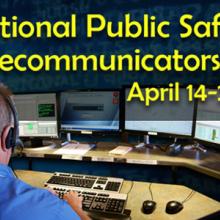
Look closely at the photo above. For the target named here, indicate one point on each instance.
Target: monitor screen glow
(208, 121)
(37, 115)
(165, 117)
(91, 111)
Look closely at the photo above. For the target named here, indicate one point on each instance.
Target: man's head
(6, 123)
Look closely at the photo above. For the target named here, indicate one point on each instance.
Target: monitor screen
(90, 110)
(160, 117)
(37, 115)
(208, 120)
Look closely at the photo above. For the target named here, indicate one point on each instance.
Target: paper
(71, 148)
(121, 150)
(148, 162)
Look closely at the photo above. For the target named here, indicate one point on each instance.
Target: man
(18, 200)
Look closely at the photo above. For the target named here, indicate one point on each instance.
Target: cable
(151, 194)
(132, 184)
(191, 194)
(20, 151)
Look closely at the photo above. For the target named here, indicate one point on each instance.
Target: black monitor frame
(160, 134)
(95, 132)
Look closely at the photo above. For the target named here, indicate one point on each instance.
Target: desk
(140, 165)
(198, 206)
(198, 162)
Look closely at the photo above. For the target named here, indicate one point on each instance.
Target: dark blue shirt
(20, 201)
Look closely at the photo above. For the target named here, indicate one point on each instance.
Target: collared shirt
(20, 201)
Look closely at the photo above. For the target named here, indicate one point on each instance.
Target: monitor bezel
(205, 143)
(57, 114)
(96, 132)
(159, 134)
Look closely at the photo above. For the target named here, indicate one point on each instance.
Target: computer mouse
(173, 207)
(148, 206)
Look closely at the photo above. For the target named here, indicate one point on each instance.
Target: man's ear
(4, 135)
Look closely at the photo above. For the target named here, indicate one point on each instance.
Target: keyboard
(96, 202)
(85, 181)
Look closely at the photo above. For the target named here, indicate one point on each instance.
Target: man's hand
(75, 202)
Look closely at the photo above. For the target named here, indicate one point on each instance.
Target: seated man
(19, 200)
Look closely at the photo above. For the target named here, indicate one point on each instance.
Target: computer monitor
(207, 126)
(93, 111)
(37, 115)
(160, 118)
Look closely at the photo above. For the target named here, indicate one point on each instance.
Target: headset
(12, 139)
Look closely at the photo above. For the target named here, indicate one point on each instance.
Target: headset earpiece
(12, 139)
(9, 141)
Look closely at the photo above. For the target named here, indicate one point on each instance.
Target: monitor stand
(38, 143)
(163, 147)
(146, 143)
(181, 141)
(196, 146)
(69, 140)
(175, 148)
(175, 142)
(68, 137)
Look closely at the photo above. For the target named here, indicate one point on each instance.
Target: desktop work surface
(206, 163)
(197, 207)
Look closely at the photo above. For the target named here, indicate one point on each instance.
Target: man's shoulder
(24, 193)
(34, 202)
